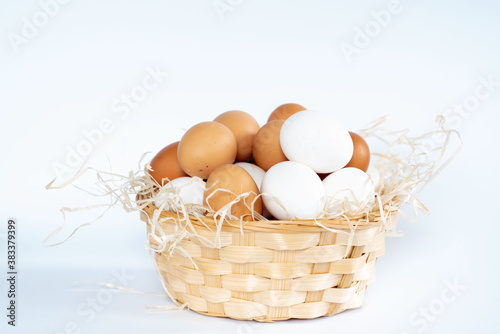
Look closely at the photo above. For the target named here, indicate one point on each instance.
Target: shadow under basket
(271, 270)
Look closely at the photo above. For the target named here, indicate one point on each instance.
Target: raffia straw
(164, 308)
(119, 287)
(399, 180)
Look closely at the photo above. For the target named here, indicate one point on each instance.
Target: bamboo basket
(271, 270)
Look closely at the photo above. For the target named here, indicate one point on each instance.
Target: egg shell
(317, 140)
(257, 175)
(165, 165)
(297, 187)
(244, 127)
(189, 189)
(284, 111)
(350, 185)
(267, 150)
(255, 172)
(206, 146)
(225, 183)
(361, 153)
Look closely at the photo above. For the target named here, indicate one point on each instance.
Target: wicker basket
(274, 270)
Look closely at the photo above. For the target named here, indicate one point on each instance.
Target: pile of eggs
(299, 165)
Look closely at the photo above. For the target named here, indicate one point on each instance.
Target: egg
(266, 146)
(225, 184)
(206, 146)
(165, 165)
(293, 190)
(257, 175)
(361, 153)
(255, 172)
(244, 127)
(348, 185)
(317, 140)
(284, 111)
(190, 190)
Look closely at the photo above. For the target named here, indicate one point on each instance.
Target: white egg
(255, 172)
(374, 175)
(296, 187)
(257, 175)
(189, 189)
(317, 140)
(348, 185)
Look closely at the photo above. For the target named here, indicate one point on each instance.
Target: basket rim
(365, 221)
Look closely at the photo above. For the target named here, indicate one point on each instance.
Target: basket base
(266, 320)
(302, 311)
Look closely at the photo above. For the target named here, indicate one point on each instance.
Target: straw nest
(269, 270)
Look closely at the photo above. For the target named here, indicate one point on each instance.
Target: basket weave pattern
(274, 270)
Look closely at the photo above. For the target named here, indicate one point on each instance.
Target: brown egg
(284, 111)
(204, 147)
(266, 145)
(165, 165)
(237, 181)
(361, 156)
(244, 127)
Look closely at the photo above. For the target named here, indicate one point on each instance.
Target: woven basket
(274, 270)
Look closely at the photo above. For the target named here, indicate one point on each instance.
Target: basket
(270, 270)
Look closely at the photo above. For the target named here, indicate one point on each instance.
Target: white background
(65, 79)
